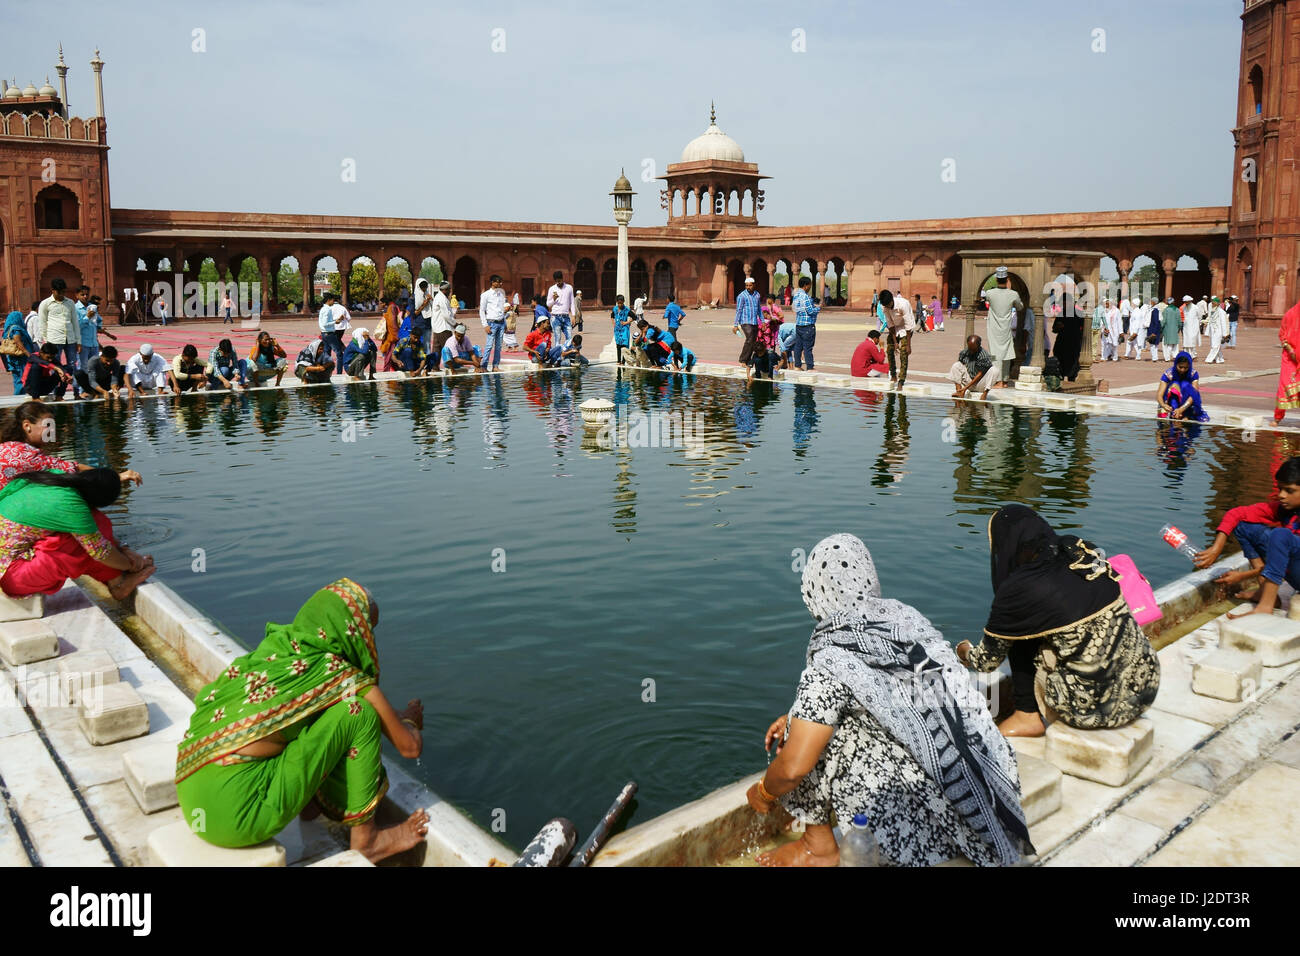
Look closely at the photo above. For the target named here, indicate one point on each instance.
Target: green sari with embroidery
(306, 680)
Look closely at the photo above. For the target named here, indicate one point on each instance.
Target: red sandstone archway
(735, 279)
(762, 282)
(663, 281)
(638, 280)
(59, 270)
(464, 279)
(609, 282)
(584, 279)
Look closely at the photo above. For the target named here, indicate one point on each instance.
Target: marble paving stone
(346, 858)
(1115, 840)
(1166, 803)
(1040, 788)
(67, 840)
(35, 785)
(12, 853)
(306, 840)
(1288, 753)
(1256, 824)
(1242, 742)
(1276, 639)
(120, 817)
(1030, 746)
(13, 719)
(91, 765)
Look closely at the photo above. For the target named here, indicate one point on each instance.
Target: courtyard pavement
(1250, 381)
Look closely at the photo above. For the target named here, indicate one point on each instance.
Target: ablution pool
(534, 583)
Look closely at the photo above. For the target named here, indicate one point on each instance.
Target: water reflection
(894, 444)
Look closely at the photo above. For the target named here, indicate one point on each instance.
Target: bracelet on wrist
(411, 723)
(763, 792)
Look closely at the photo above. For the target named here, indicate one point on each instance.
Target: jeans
(560, 327)
(492, 347)
(332, 343)
(1232, 335)
(40, 384)
(804, 338)
(88, 354)
(229, 373)
(1278, 547)
(227, 318)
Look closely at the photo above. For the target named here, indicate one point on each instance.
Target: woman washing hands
(886, 723)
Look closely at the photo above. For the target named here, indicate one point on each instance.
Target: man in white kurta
(1191, 326)
(1003, 302)
(1218, 331)
(1137, 328)
(1112, 333)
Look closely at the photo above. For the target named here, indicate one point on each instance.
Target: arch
(735, 279)
(609, 282)
(1245, 274)
(1021, 286)
(432, 269)
(638, 275)
(762, 281)
(780, 276)
(56, 207)
(60, 269)
(1108, 273)
(464, 277)
(1146, 277)
(1191, 276)
(286, 283)
(1255, 82)
(585, 279)
(398, 277)
(662, 287)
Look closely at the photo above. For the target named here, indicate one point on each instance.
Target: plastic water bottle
(1178, 541)
(859, 847)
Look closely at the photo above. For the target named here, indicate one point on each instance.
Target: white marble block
(1113, 757)
(1275, 639)
(88, 670)
(22, 609)
(1040, 788)
(25, 642)
(112, 713)
(346, 858)
(1227, 674)
(150, 775)
(176, 845)
(1029, 386)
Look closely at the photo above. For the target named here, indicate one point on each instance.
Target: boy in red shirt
(868, 359)
(538, 342)
(1269, 534)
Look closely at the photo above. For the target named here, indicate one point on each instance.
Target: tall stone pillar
(848, 282)
(819, 281)
(1170, 264)
(1125, 266)
(623, 281)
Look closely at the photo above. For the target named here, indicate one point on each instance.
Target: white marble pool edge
(454, 839)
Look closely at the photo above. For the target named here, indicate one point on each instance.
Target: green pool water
(533, 583)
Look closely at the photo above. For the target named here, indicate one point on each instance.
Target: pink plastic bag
(1136, 590)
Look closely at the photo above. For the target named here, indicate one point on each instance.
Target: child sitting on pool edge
(1269, 535)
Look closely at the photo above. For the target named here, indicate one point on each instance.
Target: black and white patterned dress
(865, 770)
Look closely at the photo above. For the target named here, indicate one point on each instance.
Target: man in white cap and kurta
(1217, 327)
(145, 370)
(1003, 302)
(1138, 319)
(1191, 326)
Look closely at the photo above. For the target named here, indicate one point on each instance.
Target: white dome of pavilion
(713, 144)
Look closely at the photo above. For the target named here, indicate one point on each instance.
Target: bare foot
(798, 853)
(1242, 610)
(121, 587)
(1022, 724)
(378, 843)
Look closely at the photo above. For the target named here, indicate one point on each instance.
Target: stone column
(1086, 354)
(1169, 264)
(304, 264)
(345, 274)
(848, 283)
(264, 267)
(1125, 266)
(819, 281)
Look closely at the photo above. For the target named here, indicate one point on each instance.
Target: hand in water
(776, 733)
(415, 713)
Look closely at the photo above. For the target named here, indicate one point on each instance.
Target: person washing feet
(1269, 535)
(848, 746)
(1058, 609)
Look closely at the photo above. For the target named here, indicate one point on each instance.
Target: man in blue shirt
(805, 320)
(673, 314)
(749, 312)
(683, 358)
(785, 342)
(657, 343)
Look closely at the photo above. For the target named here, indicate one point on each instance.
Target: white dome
(713, 144)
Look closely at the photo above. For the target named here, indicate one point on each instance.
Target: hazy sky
(856, 127)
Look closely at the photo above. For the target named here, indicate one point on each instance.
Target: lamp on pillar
(62, 69)
(98, 66)
(622, 194)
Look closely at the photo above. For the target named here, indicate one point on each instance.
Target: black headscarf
(1041, 580)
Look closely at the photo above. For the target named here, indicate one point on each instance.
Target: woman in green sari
(294, 727)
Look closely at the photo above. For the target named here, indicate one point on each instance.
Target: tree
(431, 271)
(396, 278)
(363, 283)
(1145, 281)
(289, 283)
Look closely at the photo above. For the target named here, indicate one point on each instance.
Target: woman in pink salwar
(1288, 382)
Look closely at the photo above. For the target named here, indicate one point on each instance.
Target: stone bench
(346, 858)
(85, 670)
(150, 775)
(176, 845)
(25, 642)
(22, 609)
(1227, 674)
(1113, 757)
(1275, 639)
(112, 713)
(1040, 788)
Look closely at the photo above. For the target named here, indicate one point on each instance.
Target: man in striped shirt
(749, 312)
(805, 324)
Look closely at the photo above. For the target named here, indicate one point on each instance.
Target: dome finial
(713, 115)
